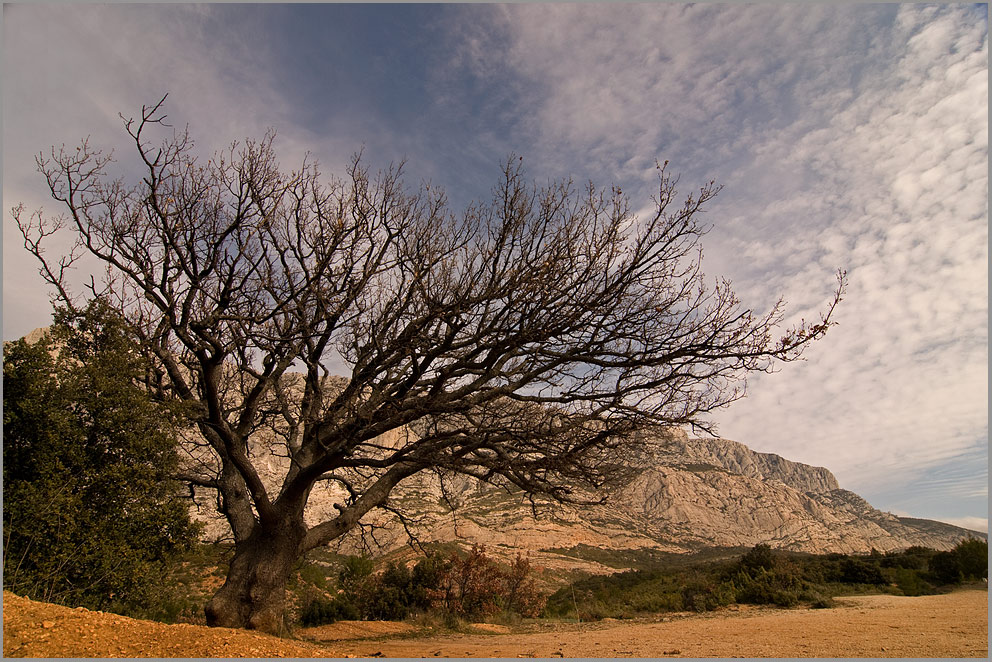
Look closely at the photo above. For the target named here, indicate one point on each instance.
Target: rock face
(700, 493)
(739, 459)
(691, 494)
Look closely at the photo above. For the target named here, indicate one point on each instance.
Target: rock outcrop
(691, 494)
(739, 459)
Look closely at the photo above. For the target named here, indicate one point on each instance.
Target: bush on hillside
(973, 558)
(760, 576)
(968, 560)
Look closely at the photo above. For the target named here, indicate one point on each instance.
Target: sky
(845, 137)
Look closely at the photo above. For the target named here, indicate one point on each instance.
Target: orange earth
(951, 625)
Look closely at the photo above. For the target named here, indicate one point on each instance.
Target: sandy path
(953, 625)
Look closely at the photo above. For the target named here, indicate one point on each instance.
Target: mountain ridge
(690, 494)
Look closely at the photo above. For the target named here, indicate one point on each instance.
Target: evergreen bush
(90, 509)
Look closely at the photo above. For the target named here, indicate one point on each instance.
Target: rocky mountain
(691, 494)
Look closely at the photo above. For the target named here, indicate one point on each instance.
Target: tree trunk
(253, 597)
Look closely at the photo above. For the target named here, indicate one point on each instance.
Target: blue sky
(848, 136)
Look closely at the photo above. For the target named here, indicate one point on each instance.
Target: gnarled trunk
(253, 596)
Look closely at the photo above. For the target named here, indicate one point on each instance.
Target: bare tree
(526, 341)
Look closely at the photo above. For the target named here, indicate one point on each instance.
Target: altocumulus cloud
(900, 181)
(851, 137)
(846, 137)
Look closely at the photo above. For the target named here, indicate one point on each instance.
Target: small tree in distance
(527, 342)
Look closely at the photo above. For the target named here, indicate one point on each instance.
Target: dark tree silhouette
(526, 342)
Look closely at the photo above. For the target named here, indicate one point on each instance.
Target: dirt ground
(39, 629)
(952, 625)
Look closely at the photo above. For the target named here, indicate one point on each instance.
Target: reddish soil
(952, 625)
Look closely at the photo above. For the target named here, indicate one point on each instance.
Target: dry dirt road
(952, 625)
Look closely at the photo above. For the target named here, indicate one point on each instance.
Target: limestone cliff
(701, 493)
(692, 493)
(739, 459)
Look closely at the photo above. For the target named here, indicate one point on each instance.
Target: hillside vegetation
(766, 576)
(448, 587)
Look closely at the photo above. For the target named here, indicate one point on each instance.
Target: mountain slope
(691, 494)
(701, 493)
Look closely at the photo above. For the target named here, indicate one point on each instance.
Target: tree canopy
(527, 341)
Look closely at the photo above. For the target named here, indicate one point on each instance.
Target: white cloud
(911, 167)
(851, 137)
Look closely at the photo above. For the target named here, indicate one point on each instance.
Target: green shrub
(973, 558)
(913, 558)
(356, 570)
(859, 571)
(767, 588)
(90, 514)
(320, 611)
(364, 595)
(425, 578)
(968, 560)
(760, 576)
(393, 595)
(945, 568)
(759, 558)
(910, 582)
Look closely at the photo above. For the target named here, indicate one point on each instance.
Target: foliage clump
(967, 561)
(89, 515)
(471, 587)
